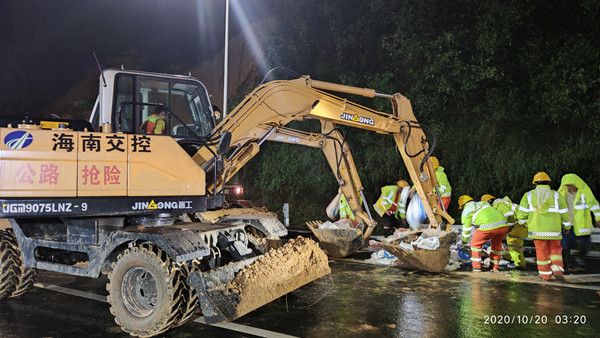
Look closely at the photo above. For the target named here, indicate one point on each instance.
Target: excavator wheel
(189, 299)
(26, 277)
(145, 291)
(9, 265)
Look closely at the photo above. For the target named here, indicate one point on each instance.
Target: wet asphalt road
(357, 300)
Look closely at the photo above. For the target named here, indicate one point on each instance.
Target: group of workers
(393, 201)
(556, 221)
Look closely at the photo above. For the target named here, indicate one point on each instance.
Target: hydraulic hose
(415, 124)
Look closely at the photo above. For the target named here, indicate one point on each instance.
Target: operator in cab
(155, 123)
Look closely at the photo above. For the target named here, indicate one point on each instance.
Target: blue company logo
(18, 139)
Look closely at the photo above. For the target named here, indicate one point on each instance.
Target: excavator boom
(265, 112)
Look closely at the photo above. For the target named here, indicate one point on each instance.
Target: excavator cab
(130, 97)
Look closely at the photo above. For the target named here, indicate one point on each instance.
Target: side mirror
(224, 143)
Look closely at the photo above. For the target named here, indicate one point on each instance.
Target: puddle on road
(367, 300)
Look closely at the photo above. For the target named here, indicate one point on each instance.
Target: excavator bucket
(419, 258)
(338, 243)
(232, 291)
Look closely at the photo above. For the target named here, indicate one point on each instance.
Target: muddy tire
(189, 296)
(144, 288)
(26, 276)
(9, 265)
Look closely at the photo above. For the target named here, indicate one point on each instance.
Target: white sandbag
(382, 257)
(452, 265)
(404, 195)
(431, 243)
(327, 225)
(333, 209)
(406, 246)
(415, 213)
(341, 224)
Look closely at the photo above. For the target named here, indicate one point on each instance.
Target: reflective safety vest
(345, 211)
(543, 210)
(154, 124)
(402, 202)
(388, 199)
(583, 204)
(445, 188)
(507, 208)
(482, 216)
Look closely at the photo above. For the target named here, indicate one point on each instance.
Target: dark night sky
(46, 46)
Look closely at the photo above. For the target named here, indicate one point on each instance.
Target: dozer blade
(338, 243)
(230, 292)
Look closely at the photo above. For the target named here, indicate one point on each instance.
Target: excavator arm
(265, 112)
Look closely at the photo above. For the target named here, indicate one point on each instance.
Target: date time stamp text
(534, 319)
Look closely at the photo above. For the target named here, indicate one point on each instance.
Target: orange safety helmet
(540, 177)
(462, 200)
(435, 162)
(402, 183)
(487, 197)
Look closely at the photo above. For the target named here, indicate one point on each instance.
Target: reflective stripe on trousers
(547, 252)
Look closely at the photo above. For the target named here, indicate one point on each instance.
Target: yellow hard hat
(462, 200)
(540, 177)
(402, 183)
(487, 197)
(434, 161)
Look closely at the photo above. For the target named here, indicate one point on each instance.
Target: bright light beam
(248, 32)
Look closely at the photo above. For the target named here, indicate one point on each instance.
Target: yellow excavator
(108, 196)
(265, 112)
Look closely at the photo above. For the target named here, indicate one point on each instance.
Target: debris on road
(382, 257)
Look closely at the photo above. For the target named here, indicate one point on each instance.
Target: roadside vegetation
(510, 88)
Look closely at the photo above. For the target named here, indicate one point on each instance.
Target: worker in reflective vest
(545, 213)
(389, 204)
(517, 233)
(155, 123)
(442, 178)
(581, 203)
(345, 211)
(490, 224)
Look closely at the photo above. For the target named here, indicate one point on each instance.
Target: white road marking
(246, 329)
(72, 292)
(229, 326)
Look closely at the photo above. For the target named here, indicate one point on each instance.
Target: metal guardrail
(595, 233)
(596, 236)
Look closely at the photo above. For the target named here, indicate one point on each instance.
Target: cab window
(138, 96)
